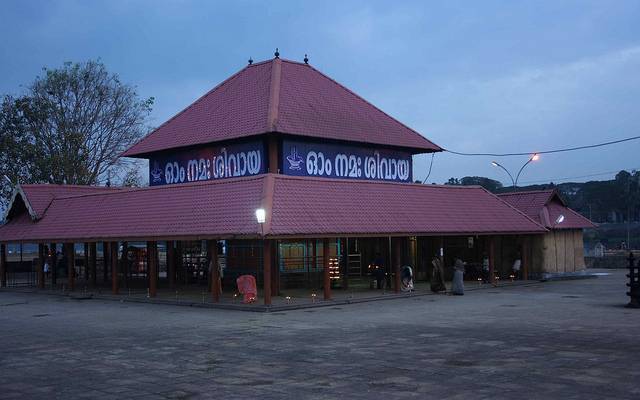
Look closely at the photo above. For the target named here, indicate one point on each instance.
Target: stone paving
(565, 340)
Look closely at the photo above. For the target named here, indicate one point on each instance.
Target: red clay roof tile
(299, 206)
(280, 96)
(544, 207)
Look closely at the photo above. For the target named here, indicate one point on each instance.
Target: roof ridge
(515, 208)
(273, 106)
(266, 202)
(525, 192)
(65, 185)
(362, 99)
(171, 186)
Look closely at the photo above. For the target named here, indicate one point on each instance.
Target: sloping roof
(280, 96)
(545, 206)
(194, 209)
(38, 197)
(296, 206)
(303, 205)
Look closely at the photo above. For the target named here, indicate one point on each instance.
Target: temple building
(281, 173)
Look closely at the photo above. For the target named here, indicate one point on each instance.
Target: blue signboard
(348, 162)
(207, 163)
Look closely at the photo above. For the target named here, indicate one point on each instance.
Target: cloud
(585, 101)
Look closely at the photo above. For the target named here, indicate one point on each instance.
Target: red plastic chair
(247, 287)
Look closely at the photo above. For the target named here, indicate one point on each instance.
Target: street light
(534, 157)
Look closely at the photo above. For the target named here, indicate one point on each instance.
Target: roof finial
(277, 53)
(250, 60)
(306, 59)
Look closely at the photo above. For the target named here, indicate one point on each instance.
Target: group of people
(437, 276)
(377, 272)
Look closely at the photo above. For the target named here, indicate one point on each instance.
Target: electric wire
(577, 177)
(433, 155)
(562, 150)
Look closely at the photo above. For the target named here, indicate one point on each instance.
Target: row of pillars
(110, 251)
(112, 261)
(111, 257)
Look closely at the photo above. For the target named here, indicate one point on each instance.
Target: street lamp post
(534, 157)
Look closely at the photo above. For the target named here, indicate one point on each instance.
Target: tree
(17, 155)
(70, 126)
(487, 183)
(452, 181)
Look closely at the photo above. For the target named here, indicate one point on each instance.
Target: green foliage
(70, 126)
(487, 183)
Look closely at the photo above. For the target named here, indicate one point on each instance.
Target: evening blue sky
(473, 76)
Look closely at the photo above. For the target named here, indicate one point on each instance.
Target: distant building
(561, 249)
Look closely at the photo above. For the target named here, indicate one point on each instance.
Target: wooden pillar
(212, 252)
(171, 264)
(92, 263)
(124, 263)
(179, 261)
(86, 262)
(325, 272)
(314, 253)
(492, 260)
(344, 246)
(54, 264)
(113, 257)
(3, 265)
(152, 268)
(42, 257)
(106, 264)
(275, 270)
(266, 266)
(71, 265)
(397, 260)
(525, 258)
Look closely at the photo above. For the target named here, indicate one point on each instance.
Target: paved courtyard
(565, 340)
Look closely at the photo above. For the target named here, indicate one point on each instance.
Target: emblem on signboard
(294, 159)
(156, 173)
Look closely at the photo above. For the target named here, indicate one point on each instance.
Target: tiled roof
(37, 197)
(280, 96)
(303, 205)
(194, 209)
(545, 206)
(295, 206)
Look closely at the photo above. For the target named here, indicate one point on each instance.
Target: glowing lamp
(261, 215)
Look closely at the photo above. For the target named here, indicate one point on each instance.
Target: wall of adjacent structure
(559, 251)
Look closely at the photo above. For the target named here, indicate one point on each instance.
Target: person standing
(378, 271)
(437, 276)
(485, 268)
(457, 285)
(517, 263)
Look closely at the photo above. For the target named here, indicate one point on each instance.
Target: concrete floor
(568, 339)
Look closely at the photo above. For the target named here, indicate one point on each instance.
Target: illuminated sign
(347, 162)
(207, 163)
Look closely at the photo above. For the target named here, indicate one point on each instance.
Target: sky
(489, 76)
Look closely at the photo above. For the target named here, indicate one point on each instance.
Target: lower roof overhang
(296, 208)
